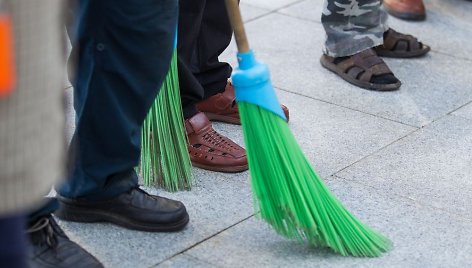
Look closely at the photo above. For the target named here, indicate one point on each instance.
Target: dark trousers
(122, 50)
(204, 33)
(13, 245)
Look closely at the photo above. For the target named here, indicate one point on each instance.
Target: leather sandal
(210, 150)
(360, 69)
(398, 45)
(222, 107)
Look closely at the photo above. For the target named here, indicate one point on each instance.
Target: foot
(210, 150)
(406, 9)
(364, 69)
(222, 107)
(51, 248)
(398, 45)
(135, 210)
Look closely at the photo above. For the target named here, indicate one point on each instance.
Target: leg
(356, 35)
(352, 26)
(204, 33)
(215, 36)
(13, 245)
(123, 51)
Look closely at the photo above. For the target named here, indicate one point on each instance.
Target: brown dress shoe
(222, 107)
(210, 150)
(406, 9)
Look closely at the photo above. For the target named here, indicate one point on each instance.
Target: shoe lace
(44, 230)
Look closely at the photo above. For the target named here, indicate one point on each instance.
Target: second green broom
(165, 161)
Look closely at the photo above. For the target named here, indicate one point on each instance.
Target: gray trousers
(31, 118)
(352, 26)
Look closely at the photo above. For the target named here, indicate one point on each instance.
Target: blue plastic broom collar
(251, 81)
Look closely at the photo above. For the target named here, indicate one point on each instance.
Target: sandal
(222, 107)
(398, 45)
(210, 150)
(363, 70)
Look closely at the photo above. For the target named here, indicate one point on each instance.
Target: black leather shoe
(51, 248)
(136, 210)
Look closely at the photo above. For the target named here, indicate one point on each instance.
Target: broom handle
(238, 26)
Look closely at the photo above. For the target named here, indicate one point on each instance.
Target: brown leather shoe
(210, 150)
(222, 107)
(406, 9)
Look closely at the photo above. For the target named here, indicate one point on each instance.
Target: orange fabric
(7, 61)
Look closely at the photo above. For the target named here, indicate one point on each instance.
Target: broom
(287, 191)
(165, 161)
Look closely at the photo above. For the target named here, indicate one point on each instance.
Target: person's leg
(352, 26)
(356, 35)
(190, 21)
(123, 49)
(215, 37)
(352, 29)
(13, 243)
(204, 33)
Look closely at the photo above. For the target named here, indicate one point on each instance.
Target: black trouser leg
(204, 33)
(13, 241)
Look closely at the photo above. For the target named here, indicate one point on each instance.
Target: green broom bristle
(291, 197)
(165, 161)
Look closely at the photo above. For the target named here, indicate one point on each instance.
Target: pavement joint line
(407, 198)
(271, 11)
(377, 151)
(460, 107)
(346, 107)
(205, 239)
(299, 18)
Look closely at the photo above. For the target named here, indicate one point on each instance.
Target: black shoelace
(43, 232)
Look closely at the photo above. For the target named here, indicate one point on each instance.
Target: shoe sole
(232, 169)
(366, 85)
(223, 118)
(74, 213)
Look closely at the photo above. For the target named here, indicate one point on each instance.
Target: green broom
(289, 194)
(165, 161)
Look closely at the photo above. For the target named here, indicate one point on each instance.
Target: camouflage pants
(352, 26)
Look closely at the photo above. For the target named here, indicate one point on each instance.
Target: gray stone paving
(401, 161)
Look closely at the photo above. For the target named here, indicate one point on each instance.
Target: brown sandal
(398, 45)
(210, 150)
(222, 107)
(360, 68)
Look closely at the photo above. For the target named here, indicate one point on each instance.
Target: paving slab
(216, 202)
(305, 10)
(465, 111)
(440, 83)
(333, 137)
(270, 4)
(432, 166)
(249, 12)
(184, 261)
(422, 237)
